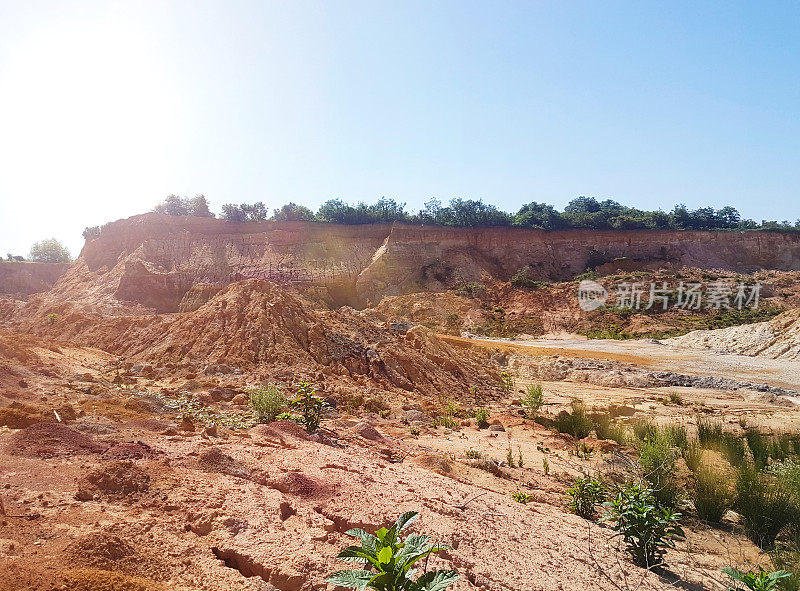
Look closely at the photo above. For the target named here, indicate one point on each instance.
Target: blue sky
(107, 107)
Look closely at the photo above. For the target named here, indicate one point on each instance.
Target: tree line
(581, 213)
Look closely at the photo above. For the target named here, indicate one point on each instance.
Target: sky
(107, 107)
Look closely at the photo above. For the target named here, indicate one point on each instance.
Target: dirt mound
(115, 481)
(131, 450)
(259, 325)
(86, 579)
(215, 460)
(777, 339)
(49, 440)
(298, 484)
(100, 549)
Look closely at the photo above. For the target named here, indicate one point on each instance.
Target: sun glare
(82, 106)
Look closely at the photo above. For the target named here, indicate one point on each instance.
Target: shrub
(577, 423)
(310, 405)
(525, 278)
(709, 433)
(692, 455)
(710, 494)
(766, 504)
(482, 418)
(390, 560)
(760, 581)
(657, 458)
(534, 399)
(602, 425)
(521, 497)
(473, 454)
(646, 529)
(644, 429)
(732, 447)
(586, 494)
(619, 433)
(49, 251)
(267, 402)
(759, 447)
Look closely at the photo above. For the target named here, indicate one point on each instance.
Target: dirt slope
(777, 339)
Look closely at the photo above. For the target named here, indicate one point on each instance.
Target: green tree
(49, 250)
(179, 206)
(291, 212)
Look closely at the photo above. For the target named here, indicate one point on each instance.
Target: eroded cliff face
(430, 258)
(169, 264)
(22, 279)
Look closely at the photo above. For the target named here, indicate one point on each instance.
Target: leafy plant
(521, 497)
(473, 454)
(389, 560)
(310, 406)
(510, 458)
(602, 425)
(760, 581)
(646, 528)
(545, 466)
(267, 402)
(534, 399)
(51, 318)
(482, 418)
(586, 495)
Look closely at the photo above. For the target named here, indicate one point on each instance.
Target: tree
(177, 205)
(539, 215)
(291, 212)
(244, 212)
(198, 205)
(49, 250)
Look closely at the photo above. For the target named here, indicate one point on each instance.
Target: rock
(418, 417)
(186, 424)
(240, 399)
(223, 394)
(367, 431)
(496, 428)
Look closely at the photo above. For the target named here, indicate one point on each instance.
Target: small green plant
(473, 454)
(758, 581)
(520, 460)
(534, 399)
(447, 422)
(506, 382)
(645, 528)
(675, 398)
(545, 466)
(710, 494)
(267, 402)
(482, 418)
(510, 458)
(521, 497)
(389, 560)
(586, 495)
(310, 406)
(414, 431)
(51, 318)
